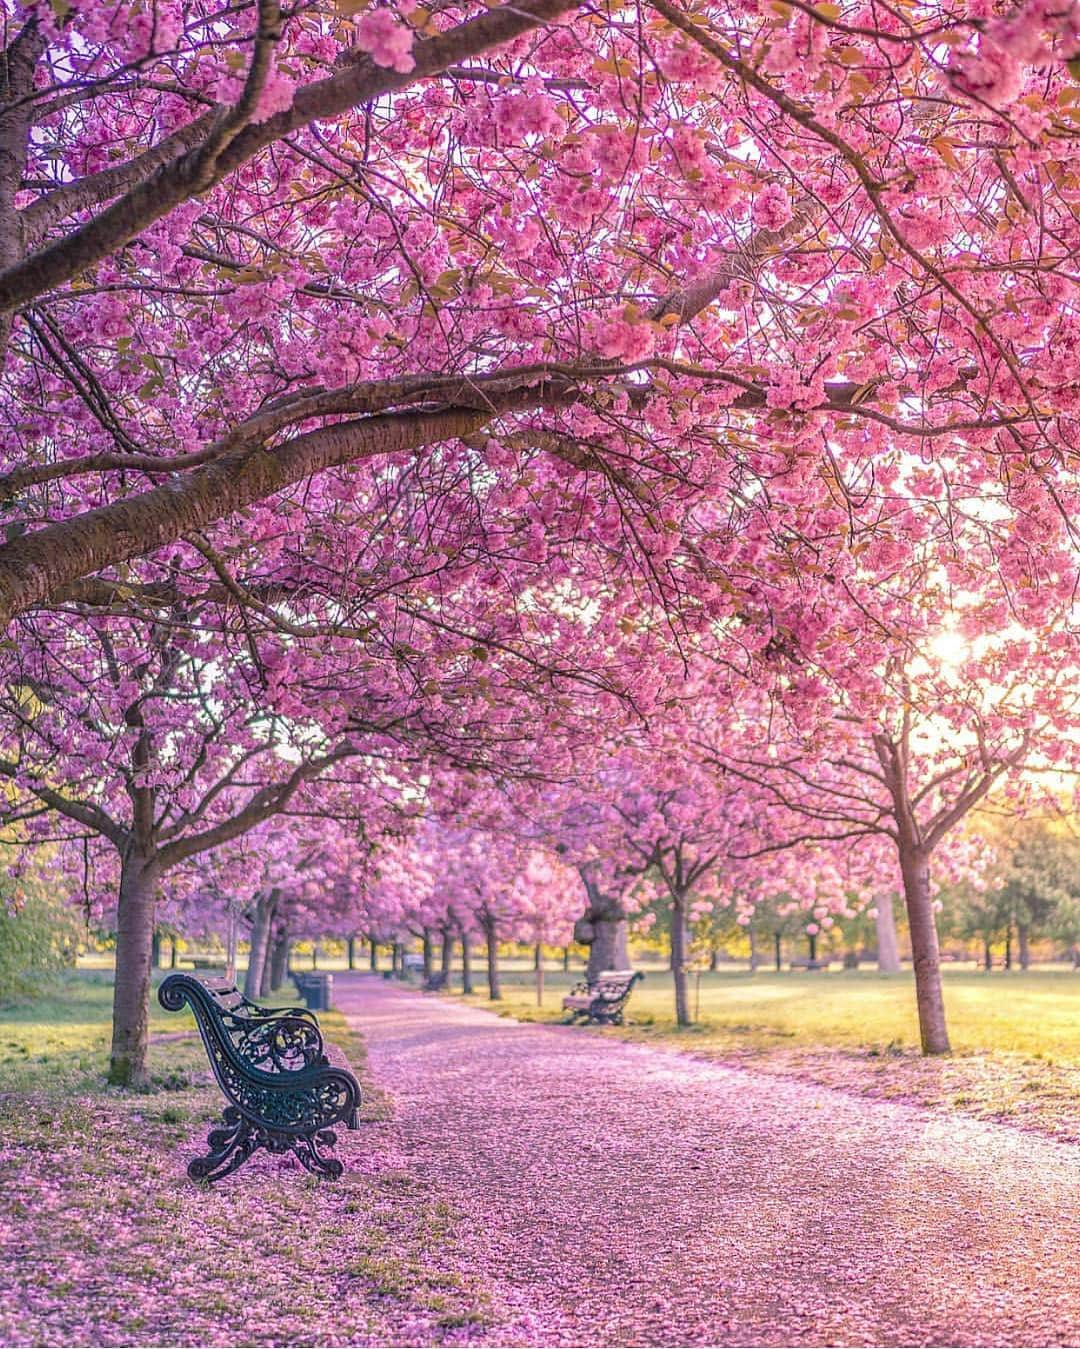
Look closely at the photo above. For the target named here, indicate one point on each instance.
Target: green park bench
(284, 1085)
(603, 999)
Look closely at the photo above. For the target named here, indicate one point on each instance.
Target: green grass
(1035, 1014)
(59, 1041)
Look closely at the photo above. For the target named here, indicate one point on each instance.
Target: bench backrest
(614, 985)
(269, 1062)
(240, 1034)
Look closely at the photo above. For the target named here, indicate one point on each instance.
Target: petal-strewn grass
(104, 1240)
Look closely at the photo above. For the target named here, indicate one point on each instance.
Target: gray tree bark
(604, 930)
(487, 922)
(680, 955)
(466, 962)
(279, 960)
(915, 867)
(131, 990)
(261, 920)
(888, 948)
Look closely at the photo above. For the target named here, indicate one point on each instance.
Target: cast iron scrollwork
(284, 1094)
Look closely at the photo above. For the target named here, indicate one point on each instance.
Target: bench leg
(230, 1147)
(311, 1158)
(232, 1143)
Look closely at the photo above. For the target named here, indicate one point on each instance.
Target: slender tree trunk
(1008, 947)
(566, 960)
(446, 955)
(988, 959)
(1023, 942)
(266, 978)
(352, 953)
(491, 942)
(314, 955)
(279, 959)
(915, 866)
(813, 945)
(262, 918)
(777, 953)
(888, 948)
(131, 990)
(538, 967)
(714, 959)
(1074, 953)
(429, 954)
(466, 962)
(155, 950)
(374, 956)
(399, 960)
(680, 946)
(755, 955)
(175, 956)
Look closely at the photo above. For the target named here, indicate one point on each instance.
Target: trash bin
(317, 991)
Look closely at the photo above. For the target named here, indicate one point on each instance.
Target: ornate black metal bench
(603, 999)
(286, 1088)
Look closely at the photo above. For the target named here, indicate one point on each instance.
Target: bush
(39, 934)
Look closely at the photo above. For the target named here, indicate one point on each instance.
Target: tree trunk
(1023, 942)
(262, 918)
(279, 959)
(175, 956)
(466, 962)
(988, 959)
(566, 960)
(398, 966)
(755, 956)
(155, 950)
(813, 945)
(777, 953)
(266, 978)
(888, 948)
(538, 967)
(714, 959)
(314, 955)
(915, 866)
(608, 950)
(1008, 947)
(494, 987)
(374, 956)
(352, 953)
(603, 929)
(429, 955)
(446, 955)
(680, 945)
(131, 990)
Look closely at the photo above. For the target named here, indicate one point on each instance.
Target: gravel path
(618, 1194)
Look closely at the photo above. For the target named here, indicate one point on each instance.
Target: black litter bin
(317, 991)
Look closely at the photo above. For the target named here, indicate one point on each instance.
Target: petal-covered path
(622, 1194)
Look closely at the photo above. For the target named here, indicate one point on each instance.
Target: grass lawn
(1016, 1037)
(104, 1240)
(1036, 1013)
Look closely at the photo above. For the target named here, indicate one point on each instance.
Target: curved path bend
(619, 1194)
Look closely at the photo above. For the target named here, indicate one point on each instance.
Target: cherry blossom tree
(832, 254)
